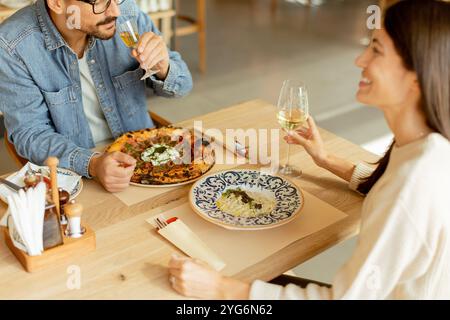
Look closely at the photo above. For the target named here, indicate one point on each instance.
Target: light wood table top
(123, 266)
(6, 12)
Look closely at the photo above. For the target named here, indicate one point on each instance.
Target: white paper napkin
(25, 219)
(180, 235)
(65, 182)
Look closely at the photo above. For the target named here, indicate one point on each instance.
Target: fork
(160, 222)
(159, 226)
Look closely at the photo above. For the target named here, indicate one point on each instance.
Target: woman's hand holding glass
(310, 139)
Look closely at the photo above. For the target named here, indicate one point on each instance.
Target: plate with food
(246, 199)
(31, 174)
(168, 156)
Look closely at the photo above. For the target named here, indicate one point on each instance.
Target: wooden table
(5, 12)
(129, 263)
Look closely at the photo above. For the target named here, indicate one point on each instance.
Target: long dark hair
(420, 30)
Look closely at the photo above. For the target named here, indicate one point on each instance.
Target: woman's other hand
(310, 139)
(194, 278)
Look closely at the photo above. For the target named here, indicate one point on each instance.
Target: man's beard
(96, 33)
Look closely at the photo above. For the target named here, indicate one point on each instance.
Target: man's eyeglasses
(100, 6)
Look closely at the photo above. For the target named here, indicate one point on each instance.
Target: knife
(11, 185)
(238, 150)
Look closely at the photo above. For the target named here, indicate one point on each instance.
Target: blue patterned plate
(207, 190)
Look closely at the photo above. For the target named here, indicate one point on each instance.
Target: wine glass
(129, 34)
(292, 113)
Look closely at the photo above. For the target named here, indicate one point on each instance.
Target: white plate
(207, 190)
(74, 192)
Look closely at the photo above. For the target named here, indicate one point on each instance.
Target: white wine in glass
(291, 119)
(129, 34)
(293, 112)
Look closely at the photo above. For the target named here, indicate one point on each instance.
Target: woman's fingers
(290, 140)
(194, 278)
(313, 127)
(297, 138)
(304, 132)
(178, 286)
(177, 262)
(176, 273)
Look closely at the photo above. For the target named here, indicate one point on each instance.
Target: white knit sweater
(403, 249)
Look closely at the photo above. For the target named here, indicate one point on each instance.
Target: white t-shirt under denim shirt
(91, 105)
(403, 250)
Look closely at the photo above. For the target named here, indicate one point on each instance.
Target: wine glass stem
(288, 155)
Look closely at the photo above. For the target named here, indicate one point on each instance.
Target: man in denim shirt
(66, 79)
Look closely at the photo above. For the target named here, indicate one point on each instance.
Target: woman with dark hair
(403, 249)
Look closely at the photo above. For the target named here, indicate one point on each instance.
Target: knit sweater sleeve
(361, 172)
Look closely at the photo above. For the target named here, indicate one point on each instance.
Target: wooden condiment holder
(57, 255)
(72, 248)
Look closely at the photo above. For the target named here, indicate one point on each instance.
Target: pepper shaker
(64, 198)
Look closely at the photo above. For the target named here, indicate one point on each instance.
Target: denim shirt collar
(52, 37)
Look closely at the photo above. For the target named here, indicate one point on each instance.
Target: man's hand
(113, 170)
(152, 53)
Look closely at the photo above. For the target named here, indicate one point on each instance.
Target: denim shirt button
(100, 86)
(92, 61)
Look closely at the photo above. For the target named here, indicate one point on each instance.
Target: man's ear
(57, 6)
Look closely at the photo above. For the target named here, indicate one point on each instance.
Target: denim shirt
(40, 90)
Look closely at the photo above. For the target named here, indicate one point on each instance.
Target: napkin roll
(187, 241)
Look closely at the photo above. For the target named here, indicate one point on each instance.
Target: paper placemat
(240, 249)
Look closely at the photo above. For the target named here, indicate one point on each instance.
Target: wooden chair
(195, 25)
(20, 162)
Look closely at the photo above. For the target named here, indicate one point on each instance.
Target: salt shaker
(73, 212)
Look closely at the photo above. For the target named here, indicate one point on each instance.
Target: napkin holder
(181, 236)
(70, 249)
